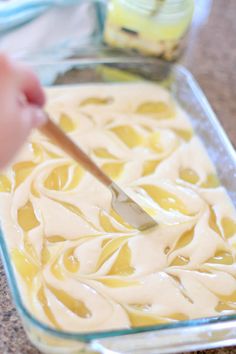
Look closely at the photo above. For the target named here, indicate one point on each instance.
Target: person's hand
(21, 99)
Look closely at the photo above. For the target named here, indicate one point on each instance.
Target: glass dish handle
(165, 341)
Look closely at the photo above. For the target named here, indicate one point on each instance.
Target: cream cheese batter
(80, 267)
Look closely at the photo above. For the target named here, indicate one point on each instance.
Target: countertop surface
(212, 60)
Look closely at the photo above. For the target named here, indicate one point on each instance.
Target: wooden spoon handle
(53, 132)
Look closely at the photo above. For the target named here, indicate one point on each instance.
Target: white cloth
(16, 12)
(55, 33)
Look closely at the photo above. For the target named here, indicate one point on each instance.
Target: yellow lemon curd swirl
(79, 266)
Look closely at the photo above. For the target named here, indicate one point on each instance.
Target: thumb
(17, 131)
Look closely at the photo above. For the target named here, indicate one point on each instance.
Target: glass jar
(152, 27)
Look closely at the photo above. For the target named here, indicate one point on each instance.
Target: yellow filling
(25, 266)
(158, 109)
(27, 218)
(128, 135)
(5, 184)
(66, 123)
(165, 199)
(22, 170)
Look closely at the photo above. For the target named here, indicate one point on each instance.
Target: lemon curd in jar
(152, 27)
(79, 266)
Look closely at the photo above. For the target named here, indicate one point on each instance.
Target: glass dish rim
(9, 271)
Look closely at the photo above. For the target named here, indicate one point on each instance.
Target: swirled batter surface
(80, 267)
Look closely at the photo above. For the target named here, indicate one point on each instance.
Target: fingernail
(40, 117)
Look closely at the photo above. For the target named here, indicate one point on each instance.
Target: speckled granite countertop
(212, 60)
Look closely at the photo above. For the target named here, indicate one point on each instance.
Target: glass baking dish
(169, 338)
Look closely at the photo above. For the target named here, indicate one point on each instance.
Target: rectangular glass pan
(170, 338)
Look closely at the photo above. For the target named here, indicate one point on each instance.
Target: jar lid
(146, 7)
(158, 7)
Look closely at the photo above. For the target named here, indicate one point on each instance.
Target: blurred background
(39, 28)
(199, 34)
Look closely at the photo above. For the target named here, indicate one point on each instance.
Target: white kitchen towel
(17, 12)
(48, 31)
